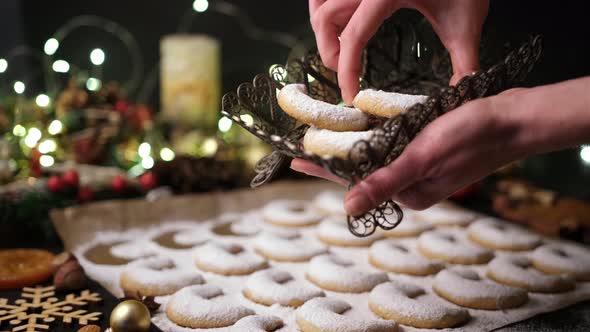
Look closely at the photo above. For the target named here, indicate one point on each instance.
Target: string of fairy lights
(44, 138)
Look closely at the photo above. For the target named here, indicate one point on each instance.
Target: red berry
(121, 106)
(70, 178)
(148, 180)
(85, 194)
(119, 183)
(54, 183)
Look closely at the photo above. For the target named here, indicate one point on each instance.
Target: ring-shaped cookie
(335, 232)
(327, 315)
(449, 247)
(464, 287)
(156, 276)
(446, 215)
(287, 247)
(495, 234)
(567, 259)
(410, 305)
(391, 256)
(274, 286)
(518, 271)
(227, 259)
(294, 100)
(338, 274)
(204, 307)
(290, 213)
(409, 227)
(330, 203)
(258, 323)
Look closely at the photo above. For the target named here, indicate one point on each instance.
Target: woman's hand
(472, 141)
(343, 28)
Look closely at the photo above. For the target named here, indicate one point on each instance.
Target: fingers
(362, 26)
(424, 194)
(328, 20)
(309, 168)
(314, 5)
(381, 185)
(458, 24)
(464, 58)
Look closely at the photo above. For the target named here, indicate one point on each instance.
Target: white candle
(190, 80)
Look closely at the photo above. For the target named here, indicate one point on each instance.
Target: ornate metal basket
(383, 69)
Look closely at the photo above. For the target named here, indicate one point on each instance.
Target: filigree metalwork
(390, 137)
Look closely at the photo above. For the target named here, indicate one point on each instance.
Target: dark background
(564, 26)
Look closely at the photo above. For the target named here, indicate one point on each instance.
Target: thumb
(464, 58)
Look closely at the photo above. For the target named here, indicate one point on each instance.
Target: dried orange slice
(24, 267)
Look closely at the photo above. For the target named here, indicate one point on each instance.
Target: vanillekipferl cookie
(450, 247)
(290, 213)
(328, 143)
(275, 286)
(156, 276)
(294, 100)
(496, 234)
(567, 259)
(464, 287)
(328, 315)
(410, 305)
(391, 256)
(338, 274)
(518, 271)
(228, 259)
(204, 307)
(385, 104)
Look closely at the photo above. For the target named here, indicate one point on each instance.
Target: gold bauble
(130, 316)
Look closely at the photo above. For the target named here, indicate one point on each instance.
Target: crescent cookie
(518, 271)
(156, 276)
(496, 234)
(445, 214)
(288, 247)
(290, 213)
(449, 247)
(410, 305)
(294, 100)
(335, 232)
(571, 260)
(385, 104)
(330, 203)
(390, 256)
(228, 259)
(464, 287)
(327, 143)
(338, 274)
(327, 315)
(275, 286)
(204, 307)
